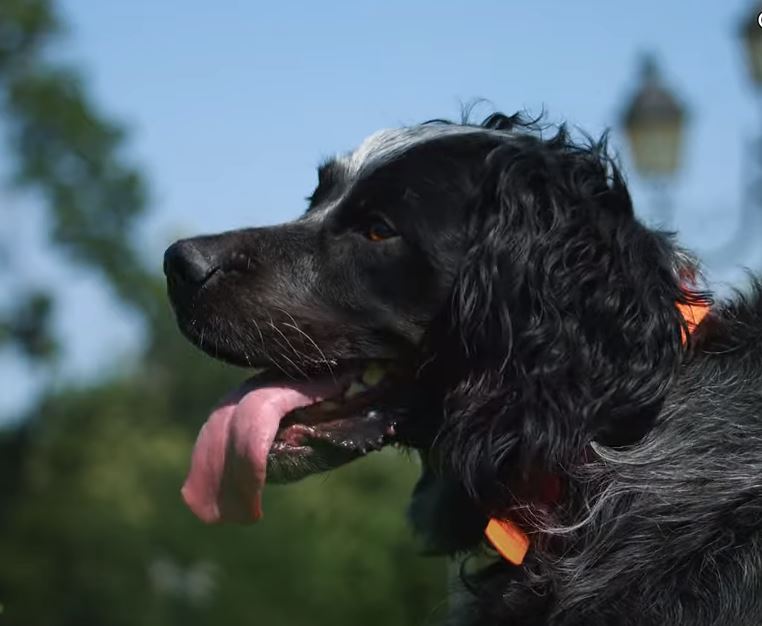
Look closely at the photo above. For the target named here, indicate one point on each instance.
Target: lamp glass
(656, 147)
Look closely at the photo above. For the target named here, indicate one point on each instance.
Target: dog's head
(477, 291)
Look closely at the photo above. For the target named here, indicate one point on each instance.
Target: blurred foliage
(92, 529)
(27, 324)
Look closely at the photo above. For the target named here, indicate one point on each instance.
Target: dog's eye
(379, 230)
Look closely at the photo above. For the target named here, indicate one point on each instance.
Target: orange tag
(693, 314)
(508, 539)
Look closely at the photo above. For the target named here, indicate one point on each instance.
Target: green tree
(92, 530)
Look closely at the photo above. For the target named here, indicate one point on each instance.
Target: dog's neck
(509, 540)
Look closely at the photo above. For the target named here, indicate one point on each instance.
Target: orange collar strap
(510, 541)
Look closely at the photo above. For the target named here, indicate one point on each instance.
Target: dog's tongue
(229, 461)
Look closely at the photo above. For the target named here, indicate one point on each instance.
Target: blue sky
(231, 105)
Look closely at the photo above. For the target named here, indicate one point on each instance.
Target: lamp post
(654, 122)
(748, 230)
(751, 35)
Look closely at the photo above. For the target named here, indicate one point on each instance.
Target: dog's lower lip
(371, 430)
(351, 423)
(282, 446)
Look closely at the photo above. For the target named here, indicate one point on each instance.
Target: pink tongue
(229, 461)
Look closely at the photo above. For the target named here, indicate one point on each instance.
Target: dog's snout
(185, 262)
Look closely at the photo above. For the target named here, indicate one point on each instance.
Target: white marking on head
(318, 214)
(386, 145)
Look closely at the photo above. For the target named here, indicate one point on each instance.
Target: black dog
(528, 339)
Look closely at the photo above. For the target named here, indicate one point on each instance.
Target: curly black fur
(542, 318)
(664, 531)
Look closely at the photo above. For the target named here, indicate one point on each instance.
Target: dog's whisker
(239, 345)
(261, 337)
(296, 352)
(272, 357)
(277, 364)
(265, 351)
(283, 354)
(312, 341)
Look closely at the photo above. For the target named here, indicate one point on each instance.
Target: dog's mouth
(289, 429)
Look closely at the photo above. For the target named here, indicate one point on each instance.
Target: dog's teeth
(373, 374)
(354, 389)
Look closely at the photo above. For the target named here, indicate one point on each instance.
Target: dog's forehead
(385, 146)
(389, 144)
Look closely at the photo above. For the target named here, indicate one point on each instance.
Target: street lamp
(751, 34)
(654, 122)
(748, 231)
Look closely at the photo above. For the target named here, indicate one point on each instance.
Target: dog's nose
(184, 261)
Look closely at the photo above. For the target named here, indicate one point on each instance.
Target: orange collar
(510, 541)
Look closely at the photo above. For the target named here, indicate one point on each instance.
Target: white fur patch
(386, 145)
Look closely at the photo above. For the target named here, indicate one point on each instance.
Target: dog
(484, 294)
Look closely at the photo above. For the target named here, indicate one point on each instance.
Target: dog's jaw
(287, 429)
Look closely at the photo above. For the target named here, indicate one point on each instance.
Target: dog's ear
(563, 327)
